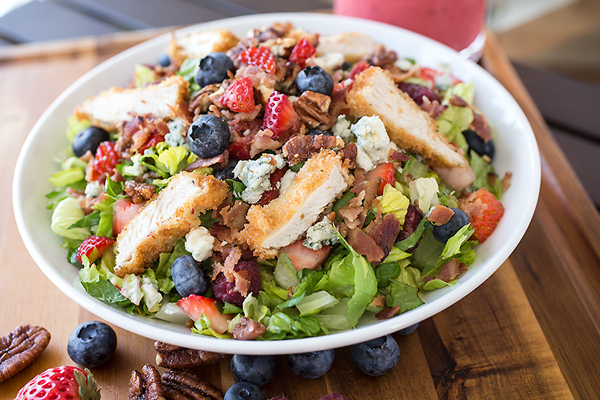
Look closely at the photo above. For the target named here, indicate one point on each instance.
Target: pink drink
(455, 23)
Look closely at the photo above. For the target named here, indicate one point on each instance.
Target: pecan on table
(20, 347)
(312, 108)
(146, 385)
(175, 357)
(181, 385)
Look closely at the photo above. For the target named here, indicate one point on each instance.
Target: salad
(279, 186)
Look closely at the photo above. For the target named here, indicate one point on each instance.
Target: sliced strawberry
(386, 172)
(485, 210)
(304, 257)
(239, 96)
(302, 51)
(428, 74)
(259, 57)
(61, 383)
(357, 69)
(152, 141)
(279, 114)
(240, 148)
(194, 306)
(105, 161)
(123, 211)
(93, 247)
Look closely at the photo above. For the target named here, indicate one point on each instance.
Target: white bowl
(516, 151)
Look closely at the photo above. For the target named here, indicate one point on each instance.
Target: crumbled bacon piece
(263, 141)
(218, 162)
(480, 126)
(450, 270)
(351, 212)
(472, 205)
(365, 245)
(398, 156)
(506, 181)
(349, 152)
(387, 313)
(440, 215)
(413, 217)
(234, 216)
(137, 132)
(384, 232)
(433, 108)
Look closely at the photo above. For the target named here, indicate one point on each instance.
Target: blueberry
(409, 330)
(346, 66)
(258, 370)
(89, 139)
(208, 136)
(188, 276)
(444, 232)
(315, 132)
(227, 173)
(314, 79)
(376, 357)
(244, 391)
(311, 365)
(213, 69)
(164, 60)
(478, 145)
(92, 344)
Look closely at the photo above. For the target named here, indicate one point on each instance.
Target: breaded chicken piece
(281, 222)
(353, 45)
(200, 44)
(165, 219)
(118, 104)
(411, 128)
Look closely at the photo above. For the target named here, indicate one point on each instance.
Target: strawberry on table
(194, 306)
(61, 383)
(123, 211)
(259, 57)
(239, 96)
(93, 247)
(384, 171)
(279, 114)
(302, 51)
(484, 211)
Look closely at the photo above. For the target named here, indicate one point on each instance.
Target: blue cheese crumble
(372, 141)
(255, 175)
(321, 233)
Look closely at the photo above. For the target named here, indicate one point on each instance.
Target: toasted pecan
(20, 347)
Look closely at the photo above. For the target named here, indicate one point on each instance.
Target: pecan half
(181, 385)
(146, 385)
(200, 102)
(286, 73)
(175, 357)
(312, 108)
(248, 329)
(20, 347)
(139, 191)
(383, 58)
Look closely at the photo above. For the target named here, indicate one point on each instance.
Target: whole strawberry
(61, 383)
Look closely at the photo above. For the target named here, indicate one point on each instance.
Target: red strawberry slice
(152, 141)
(239, 96)
(302, 51)
(123, 211)
(61, 383)
(489, 211)
(386, 172)
(105, 161)
(93, 247)
(279, 114)
(194, 306)
(304, 257)
(357, 69)
(428, 74)
(259, 57)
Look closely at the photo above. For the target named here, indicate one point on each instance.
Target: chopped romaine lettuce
(394, 202)
(67, 213)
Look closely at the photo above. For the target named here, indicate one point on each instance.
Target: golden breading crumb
(321, 180)
(165, 219)
(200, 44)
(118, 104)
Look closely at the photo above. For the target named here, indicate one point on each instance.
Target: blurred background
(554, 46)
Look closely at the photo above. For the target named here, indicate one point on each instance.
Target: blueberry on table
(311, 365)
(408, 330)
(213, 69)
(258, 370)
(89, 139)
(92, 344)
(164, 60)
(208, 136)
(188, 276)
(244, 391)
(315, 79)
(479, 145)
(444, 232)
(376, 357)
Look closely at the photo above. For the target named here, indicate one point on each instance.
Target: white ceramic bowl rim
(519, 209)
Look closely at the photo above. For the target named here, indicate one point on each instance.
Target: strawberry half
(279, 114)
(302, 51)
(194, 306)
(259, 57)
(357, 69)
(105, 161)
(386, 172)
(484, 220)
(123, 211)
(61, 383)
(239, 96)
(93, 247)
(304, 257)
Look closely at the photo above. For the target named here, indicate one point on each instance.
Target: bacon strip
(384, 232)
(364, 245)
(450, 270)
(440, 215)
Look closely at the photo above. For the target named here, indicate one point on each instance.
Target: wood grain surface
(529, 332)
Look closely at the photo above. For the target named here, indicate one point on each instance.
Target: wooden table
(530, 331)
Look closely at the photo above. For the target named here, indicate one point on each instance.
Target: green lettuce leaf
(67, 213)
(74, 126)
(394, 202)
(67, 177)
(402, 295)
(143, 75)
(438, 284)
(453, 121)
(482, 170)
